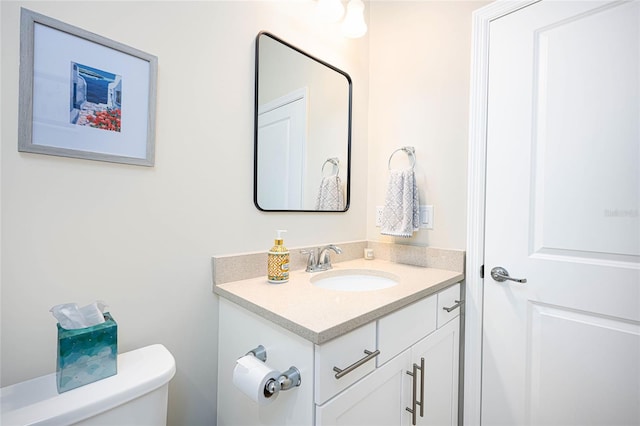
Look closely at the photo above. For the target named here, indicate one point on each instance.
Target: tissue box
(87, 354)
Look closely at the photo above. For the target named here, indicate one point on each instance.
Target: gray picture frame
(56, 133)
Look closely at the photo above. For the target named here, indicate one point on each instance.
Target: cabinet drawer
(343, 352)
(378, 399)
(401, 329)
(447, 299)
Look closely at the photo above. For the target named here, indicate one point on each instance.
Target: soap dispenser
(278, 261)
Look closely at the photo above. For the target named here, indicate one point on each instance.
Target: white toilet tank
(137, 395)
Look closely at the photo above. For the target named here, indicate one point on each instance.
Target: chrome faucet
(323, 258)
(319, 259)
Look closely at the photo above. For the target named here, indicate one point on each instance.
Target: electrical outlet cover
(426, 217)
(379, 215)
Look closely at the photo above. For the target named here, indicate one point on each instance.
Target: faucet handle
(311, 261)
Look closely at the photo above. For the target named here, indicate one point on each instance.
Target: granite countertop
(320, 315)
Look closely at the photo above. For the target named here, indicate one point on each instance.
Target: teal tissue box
(87, 354)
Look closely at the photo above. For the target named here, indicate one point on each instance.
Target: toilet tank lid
(37, 401)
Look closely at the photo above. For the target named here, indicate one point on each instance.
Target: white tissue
(71, 317)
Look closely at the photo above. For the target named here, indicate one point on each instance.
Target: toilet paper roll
(250, 375)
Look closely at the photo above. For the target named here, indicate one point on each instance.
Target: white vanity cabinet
(376, 391)
(405, 337)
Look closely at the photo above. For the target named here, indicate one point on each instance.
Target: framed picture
(84, 96)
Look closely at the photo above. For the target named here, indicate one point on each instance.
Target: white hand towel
(401, 214)
(330, 196)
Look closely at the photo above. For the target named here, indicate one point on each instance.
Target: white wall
(142, 238)
(419, 95)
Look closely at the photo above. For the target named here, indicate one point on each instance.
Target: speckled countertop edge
(320, 315)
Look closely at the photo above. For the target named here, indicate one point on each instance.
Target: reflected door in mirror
(282, 153)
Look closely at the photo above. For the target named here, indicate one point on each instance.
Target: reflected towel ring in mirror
(336, 162)
(411, 152)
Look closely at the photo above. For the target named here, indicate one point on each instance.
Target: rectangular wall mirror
(302, 130)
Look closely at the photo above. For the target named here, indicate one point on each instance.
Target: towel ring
(411, 152)
(333, 160)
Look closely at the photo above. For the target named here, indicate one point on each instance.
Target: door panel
(585, 133)
(562, 202)
(599, 348)
(282, 156)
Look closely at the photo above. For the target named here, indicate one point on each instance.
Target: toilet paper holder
(285, 381)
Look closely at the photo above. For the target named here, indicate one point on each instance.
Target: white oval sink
(355, 280)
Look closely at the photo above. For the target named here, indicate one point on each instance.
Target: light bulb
(330, 10)
(353, 25)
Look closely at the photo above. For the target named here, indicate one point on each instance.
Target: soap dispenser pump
(278, 261)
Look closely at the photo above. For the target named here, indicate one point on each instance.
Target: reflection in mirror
(302, 130)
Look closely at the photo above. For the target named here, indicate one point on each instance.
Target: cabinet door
(378, 399)
(440, 351)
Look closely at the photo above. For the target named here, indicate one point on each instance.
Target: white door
(562, 212)
(282, 127)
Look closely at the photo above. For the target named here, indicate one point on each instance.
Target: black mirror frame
(255, 127)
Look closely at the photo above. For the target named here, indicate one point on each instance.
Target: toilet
(136, 395)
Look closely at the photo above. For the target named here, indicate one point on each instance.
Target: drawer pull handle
(457, 305)
(415, 402)
(370, 355)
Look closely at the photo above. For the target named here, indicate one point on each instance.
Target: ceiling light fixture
(353, 25)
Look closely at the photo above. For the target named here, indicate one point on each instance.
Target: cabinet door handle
(370, 355)
(421, 403)
(414, 403)
(451, 308)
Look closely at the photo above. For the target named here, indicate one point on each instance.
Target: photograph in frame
(83, 95)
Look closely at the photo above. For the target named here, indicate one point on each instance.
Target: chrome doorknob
(500, 274)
